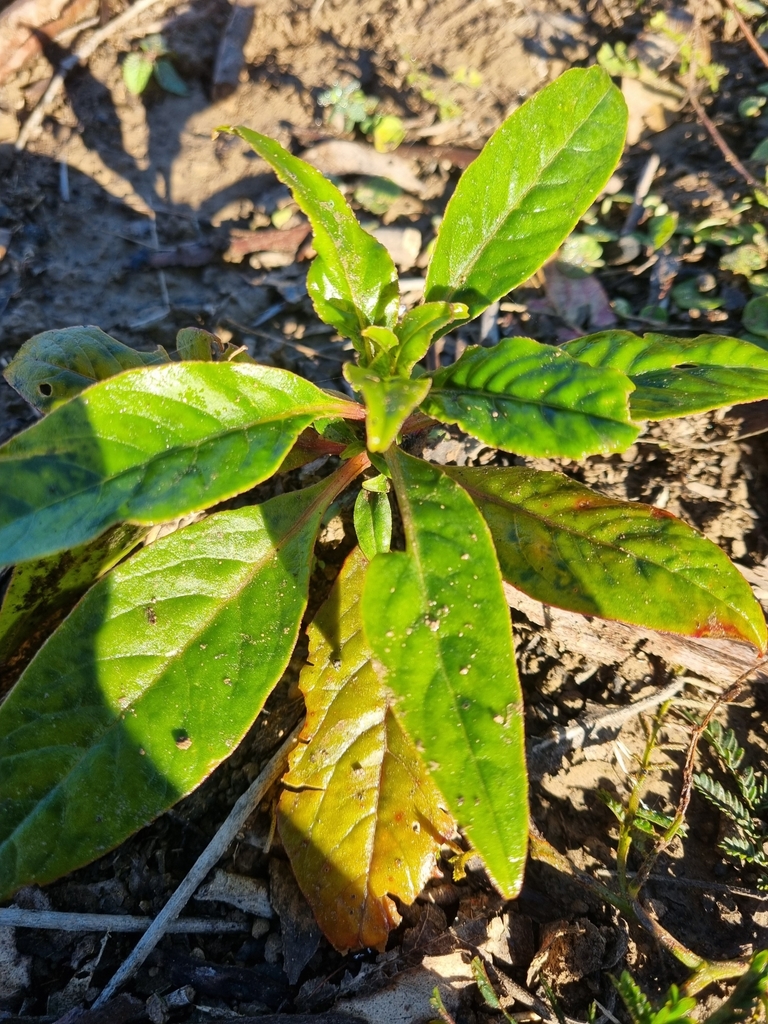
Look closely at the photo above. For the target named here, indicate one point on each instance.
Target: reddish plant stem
(310, 441)
(346, 473)
(416, 422)
(749, 35)
(723, 146)
(687, 788)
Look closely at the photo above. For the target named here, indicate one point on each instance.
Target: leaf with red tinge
(568, 546)
(360, 818)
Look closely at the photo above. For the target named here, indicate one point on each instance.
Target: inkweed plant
(414, 720)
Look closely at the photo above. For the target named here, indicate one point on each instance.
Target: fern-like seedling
(675, 1008)
(750, 992)
(744, 800)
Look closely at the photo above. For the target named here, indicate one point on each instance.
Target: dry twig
(59, 921)
(237, 817)
(687, 787)
(643, 188)
(723, 146)
(545, 754)
(749, 35)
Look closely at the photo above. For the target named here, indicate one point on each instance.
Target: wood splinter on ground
(237, 817)
(230, 59)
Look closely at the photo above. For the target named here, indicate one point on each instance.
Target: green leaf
(137, 71)
(687, 296)
(525, 192)
(745, 260)
(169, 79)
(486, 989)
(675, 1008)
(661, 228)
(373, 521)
(388, 133)
(678, 376)
(419, 327)
(568, 546)
(146, 447)
(720, 798)
(437, 621)
(751, 990)
(193, 343)
(534, 399)
(42, 592)
(152, 680)
(383, 339)
(154, 44)
(352, 281)
(54, 366)
(376, 195)
(389, 401)
(755, 316)
(635, 1000)
(360, 818)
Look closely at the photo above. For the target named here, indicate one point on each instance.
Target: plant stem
(687, 787)
(749, 35)
(633, 806)
(345, 474)
(722, 970)
(417, 421)
(723, 146)
(310, 441)
(542, 850)
(705, 972)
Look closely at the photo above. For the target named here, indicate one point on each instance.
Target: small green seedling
(414, 709)
(748, 999)
(349, 108)
(152, 58)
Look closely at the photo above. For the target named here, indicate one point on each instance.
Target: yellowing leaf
(360, 818)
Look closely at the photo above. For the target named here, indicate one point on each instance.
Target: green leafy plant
(152, 58)
(349, 107)
(744, 801)
(414, 718)
(748, 995)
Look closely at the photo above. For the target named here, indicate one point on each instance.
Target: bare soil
(144, 177)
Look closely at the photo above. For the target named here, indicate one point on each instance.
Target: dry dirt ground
(101, 213)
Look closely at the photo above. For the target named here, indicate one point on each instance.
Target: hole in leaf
(45, 389)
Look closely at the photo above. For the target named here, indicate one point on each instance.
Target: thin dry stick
(576, 735)
(749, 35)
(79, 56)
(59, 921)
(723, 146)
(641, 191)
(239, 814)
(687, 788)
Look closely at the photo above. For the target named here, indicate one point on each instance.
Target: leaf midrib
(502, 396)
(283, 173)
(405, 508)
(143, 467)
(469, 265)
